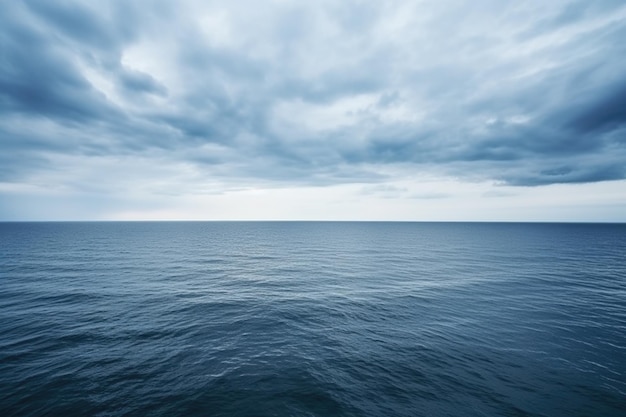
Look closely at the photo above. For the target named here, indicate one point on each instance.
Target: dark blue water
(312, 319)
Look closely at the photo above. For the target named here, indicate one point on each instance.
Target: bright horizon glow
(476, 202)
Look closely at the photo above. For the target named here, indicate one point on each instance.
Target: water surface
(312, 319)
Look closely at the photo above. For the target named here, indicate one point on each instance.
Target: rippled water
(312, 319)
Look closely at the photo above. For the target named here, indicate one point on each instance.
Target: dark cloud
(104, 27)
(318, 94)
(39, 75)
(567, 174)
(139, 82)
(606, 112)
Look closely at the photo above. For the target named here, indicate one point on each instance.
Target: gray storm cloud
(320, 92)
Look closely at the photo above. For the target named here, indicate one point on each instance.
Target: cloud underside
(317, 94)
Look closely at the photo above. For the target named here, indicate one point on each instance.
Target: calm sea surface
(312, 319)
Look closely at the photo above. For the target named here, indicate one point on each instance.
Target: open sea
(312, 319)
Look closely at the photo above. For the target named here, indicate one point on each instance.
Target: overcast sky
(346, 109)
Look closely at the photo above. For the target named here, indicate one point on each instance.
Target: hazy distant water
(312, 319)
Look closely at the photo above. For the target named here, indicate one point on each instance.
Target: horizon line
(313, 221)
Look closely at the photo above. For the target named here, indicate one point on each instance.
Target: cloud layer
(207, 96)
